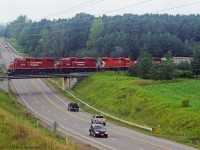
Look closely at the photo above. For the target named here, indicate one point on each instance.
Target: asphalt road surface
(51, 108)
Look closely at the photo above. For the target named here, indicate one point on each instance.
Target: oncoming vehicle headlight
(96, 132)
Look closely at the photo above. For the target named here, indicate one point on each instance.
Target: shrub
(138, 109)
(185, 103)
(182, 73)
(132, 71)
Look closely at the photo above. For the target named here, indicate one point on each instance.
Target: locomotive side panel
(90, 62)
(112, 63)
(40, 63)
(78, 63)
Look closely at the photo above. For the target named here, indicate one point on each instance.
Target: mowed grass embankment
(18, 131)
(147, 102)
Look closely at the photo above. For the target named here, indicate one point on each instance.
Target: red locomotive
(107, 63)
(73, 64)
(32, 65)
(46, 65)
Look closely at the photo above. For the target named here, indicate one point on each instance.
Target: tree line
(147, 68)
(86, 35)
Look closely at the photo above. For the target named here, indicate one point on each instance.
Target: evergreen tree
(44, 42)
(155, 71)
(167, 70)
(132, 71)
(95, 32)
(144, 65)
(167, 67)
(196, 61)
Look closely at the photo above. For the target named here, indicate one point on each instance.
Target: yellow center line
(56, 104)
(156, 145)
(163, 147)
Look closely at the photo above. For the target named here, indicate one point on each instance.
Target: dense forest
(86, 35)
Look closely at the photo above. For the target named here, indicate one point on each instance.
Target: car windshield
(74, 105)
(99, 116)
(99, 127)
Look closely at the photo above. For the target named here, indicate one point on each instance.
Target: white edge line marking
(88, 138)
(140, 126)
(144, 127)
(62, 126)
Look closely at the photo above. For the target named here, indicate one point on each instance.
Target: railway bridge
(68, 80)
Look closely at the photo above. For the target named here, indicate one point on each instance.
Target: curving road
(50, 107)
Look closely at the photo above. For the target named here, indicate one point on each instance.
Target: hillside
(174, 105)
(19, 131)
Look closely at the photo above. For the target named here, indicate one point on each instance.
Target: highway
(50, 107)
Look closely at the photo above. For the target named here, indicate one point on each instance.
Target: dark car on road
(98, 130)
(73, 107)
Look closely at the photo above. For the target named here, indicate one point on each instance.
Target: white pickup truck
(98, 119)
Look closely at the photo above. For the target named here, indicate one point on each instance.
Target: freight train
(47, 65)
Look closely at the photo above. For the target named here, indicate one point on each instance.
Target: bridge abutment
(69, 83)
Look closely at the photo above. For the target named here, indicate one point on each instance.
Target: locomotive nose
(11, 66)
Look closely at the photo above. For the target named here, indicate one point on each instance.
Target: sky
(55, 9)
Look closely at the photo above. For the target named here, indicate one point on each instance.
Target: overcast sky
(54, 9)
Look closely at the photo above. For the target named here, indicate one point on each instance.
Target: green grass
(147, 102)
(18, 131)
(176, 92)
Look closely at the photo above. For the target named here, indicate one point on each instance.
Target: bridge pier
(69, 82)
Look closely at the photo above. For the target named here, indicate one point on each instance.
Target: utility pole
(118, 51)
(61, 42)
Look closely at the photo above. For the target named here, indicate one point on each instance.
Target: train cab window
(16, 60)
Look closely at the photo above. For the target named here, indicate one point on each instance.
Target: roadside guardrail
(113, 117)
